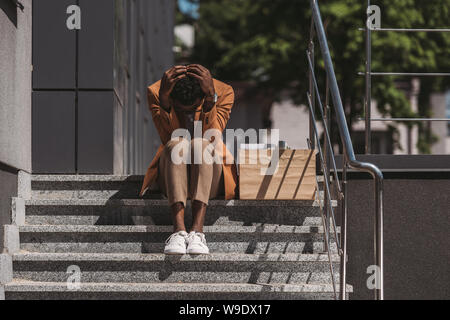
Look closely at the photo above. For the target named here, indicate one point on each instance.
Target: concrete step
(102, 194)
(123, 185)
(217, 268)
(100, 267)
(169, 276)
(88, 187)
(42, 181)
(149, 212)
(222, 221)
(150, 239)
(91, 187)
(91, 182)
(150, 291)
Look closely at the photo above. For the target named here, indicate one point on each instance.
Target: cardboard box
(292, 177)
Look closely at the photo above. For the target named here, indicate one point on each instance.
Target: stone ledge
(263, 228)
(152, 257)
(6, 270)
(20, 286)
(154, 202)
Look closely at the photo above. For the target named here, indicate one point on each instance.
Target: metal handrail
(313, 136)
(407, 30)
(327, 132)
(324, 162)
(409, 119)
(326, 178)
(327, 243)
(350, 162)
(369, 74)
(410, 74)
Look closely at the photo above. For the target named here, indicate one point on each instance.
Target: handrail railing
(408, 119)
(369, 74)
(407, 29)
(349, 161)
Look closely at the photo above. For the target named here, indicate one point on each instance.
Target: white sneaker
(196, 243)
(176, 243)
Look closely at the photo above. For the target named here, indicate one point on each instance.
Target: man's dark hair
(187, 91)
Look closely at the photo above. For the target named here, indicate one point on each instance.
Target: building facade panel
(95, 132)
(121, 48)
(54, 132)
(96, 45)
(54, 46)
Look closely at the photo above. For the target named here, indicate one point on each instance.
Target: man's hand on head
(168, 81)
(204, 78)
(206, 83)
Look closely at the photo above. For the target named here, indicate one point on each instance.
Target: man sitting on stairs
(189, 98)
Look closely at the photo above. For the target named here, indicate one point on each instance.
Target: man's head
(187, 93)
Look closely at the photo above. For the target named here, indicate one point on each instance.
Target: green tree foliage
(265, 41)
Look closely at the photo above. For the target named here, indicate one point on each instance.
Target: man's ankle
(177, 207)
(198, 203)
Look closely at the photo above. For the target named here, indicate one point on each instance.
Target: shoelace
(198, 234)
(173, 236)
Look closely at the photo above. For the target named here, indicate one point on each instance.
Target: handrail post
(327, 157)
(349, 151)
(326, 182)
(368, 99)
(378, 233)
(344, 204)
(312, 137)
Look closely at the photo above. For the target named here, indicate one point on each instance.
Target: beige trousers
(196, 181)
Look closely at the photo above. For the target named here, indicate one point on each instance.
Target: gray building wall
(144, 37)
(15, 101)
(416, 227)
(15, 85)
(94, 80)
(416, 239)
(75, 101)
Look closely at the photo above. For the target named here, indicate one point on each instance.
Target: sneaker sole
(174, 253)
(197, 253)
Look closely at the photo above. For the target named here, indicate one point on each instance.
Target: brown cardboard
(295, 178)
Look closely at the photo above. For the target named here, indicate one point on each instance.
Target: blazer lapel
(174, 120)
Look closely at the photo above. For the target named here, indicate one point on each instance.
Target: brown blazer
(217, 118)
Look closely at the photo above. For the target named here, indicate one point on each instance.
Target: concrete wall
(144, 32)
(15, 85)
(8, 189)
(106, 66)
(15, 102)
(416, 239)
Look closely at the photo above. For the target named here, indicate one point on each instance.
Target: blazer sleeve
(161, 117)
(218, 116)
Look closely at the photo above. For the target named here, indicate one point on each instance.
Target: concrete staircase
(98, 225)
